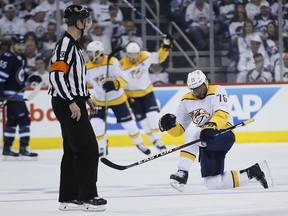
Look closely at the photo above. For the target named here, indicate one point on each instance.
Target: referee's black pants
(79, 165)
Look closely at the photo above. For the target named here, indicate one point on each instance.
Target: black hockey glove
(34, 80)
(167, 122)
(208, 132)
(111, 85)
(167, 41)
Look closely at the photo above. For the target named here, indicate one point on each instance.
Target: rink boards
(266, 103)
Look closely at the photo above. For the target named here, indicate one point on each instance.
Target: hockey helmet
(133, 47)
(195, 82)
(74, 12)
(18, 38)
(96, 48)
(196, 78)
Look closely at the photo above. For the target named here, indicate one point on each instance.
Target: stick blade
(112, 165)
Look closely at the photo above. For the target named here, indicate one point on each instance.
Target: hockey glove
(111, 85)
(208, 132)
(167, 122)
(34, 80)
(167, 41)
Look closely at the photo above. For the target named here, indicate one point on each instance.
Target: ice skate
(143, 149)
(26, 153)
(73, 205)
(159, 145)
(179, 180)
(96, 204)
(9, 154)
(260, 172)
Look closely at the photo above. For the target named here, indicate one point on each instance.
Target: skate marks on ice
(145, 190)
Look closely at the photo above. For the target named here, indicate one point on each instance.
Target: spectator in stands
(97, 35)
(130, 36)
(48, 41)
(113, 26)
(264, 17)
(84, 41)
(37, 23)
(246, 61)
(158, 74)
(101, 11)
(244, 39)
(51, 7)
(259, 73)
(281, 73)
(26, 9)
(41, 71)
(197, 22)
(10, 24)
(253, 8)
(31, 52)
(226, 12)
(235, 30)
(178, 10)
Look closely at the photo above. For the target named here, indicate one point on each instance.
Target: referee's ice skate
(96, 204)
(179, 180)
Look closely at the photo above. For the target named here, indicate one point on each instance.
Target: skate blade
(27, 158)
(265, 168)
(9, 158)
(175, 184)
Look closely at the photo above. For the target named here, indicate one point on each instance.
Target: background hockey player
(201, 113)
(142, 100)
(12, 84)
(112, 85)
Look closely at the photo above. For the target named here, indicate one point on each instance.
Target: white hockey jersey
(96, 76)
(213, 108)
(139, 79)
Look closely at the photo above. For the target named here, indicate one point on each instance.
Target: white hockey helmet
(133, 47)
(196, 78)
(96, 48)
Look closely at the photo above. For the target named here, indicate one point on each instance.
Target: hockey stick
(143, 17)
(32, 95)
(116, 50)
(119, 167)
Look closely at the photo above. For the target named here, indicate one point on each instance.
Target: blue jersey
(12, 75)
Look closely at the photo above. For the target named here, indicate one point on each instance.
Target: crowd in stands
(250, 28)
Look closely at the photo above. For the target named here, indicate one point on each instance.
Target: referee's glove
(111, 85)
(167, 122)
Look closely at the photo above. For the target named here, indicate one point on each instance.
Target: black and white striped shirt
(68, 71)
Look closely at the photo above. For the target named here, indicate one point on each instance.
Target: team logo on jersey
(20, 76)
(136, 74)
(199, 116)
(100, 79)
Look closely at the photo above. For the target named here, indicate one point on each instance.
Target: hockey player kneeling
(201, 114)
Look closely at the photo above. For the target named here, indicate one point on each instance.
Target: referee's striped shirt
(68, 71)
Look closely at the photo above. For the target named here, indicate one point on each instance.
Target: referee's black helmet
(75, 12)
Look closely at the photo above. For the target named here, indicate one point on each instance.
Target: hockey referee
(79, 165)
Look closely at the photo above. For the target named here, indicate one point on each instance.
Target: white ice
(31, 187)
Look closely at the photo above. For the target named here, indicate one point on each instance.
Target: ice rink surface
(30, 188)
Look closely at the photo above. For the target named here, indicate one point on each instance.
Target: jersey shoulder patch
(212, 89)
(189, 96)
